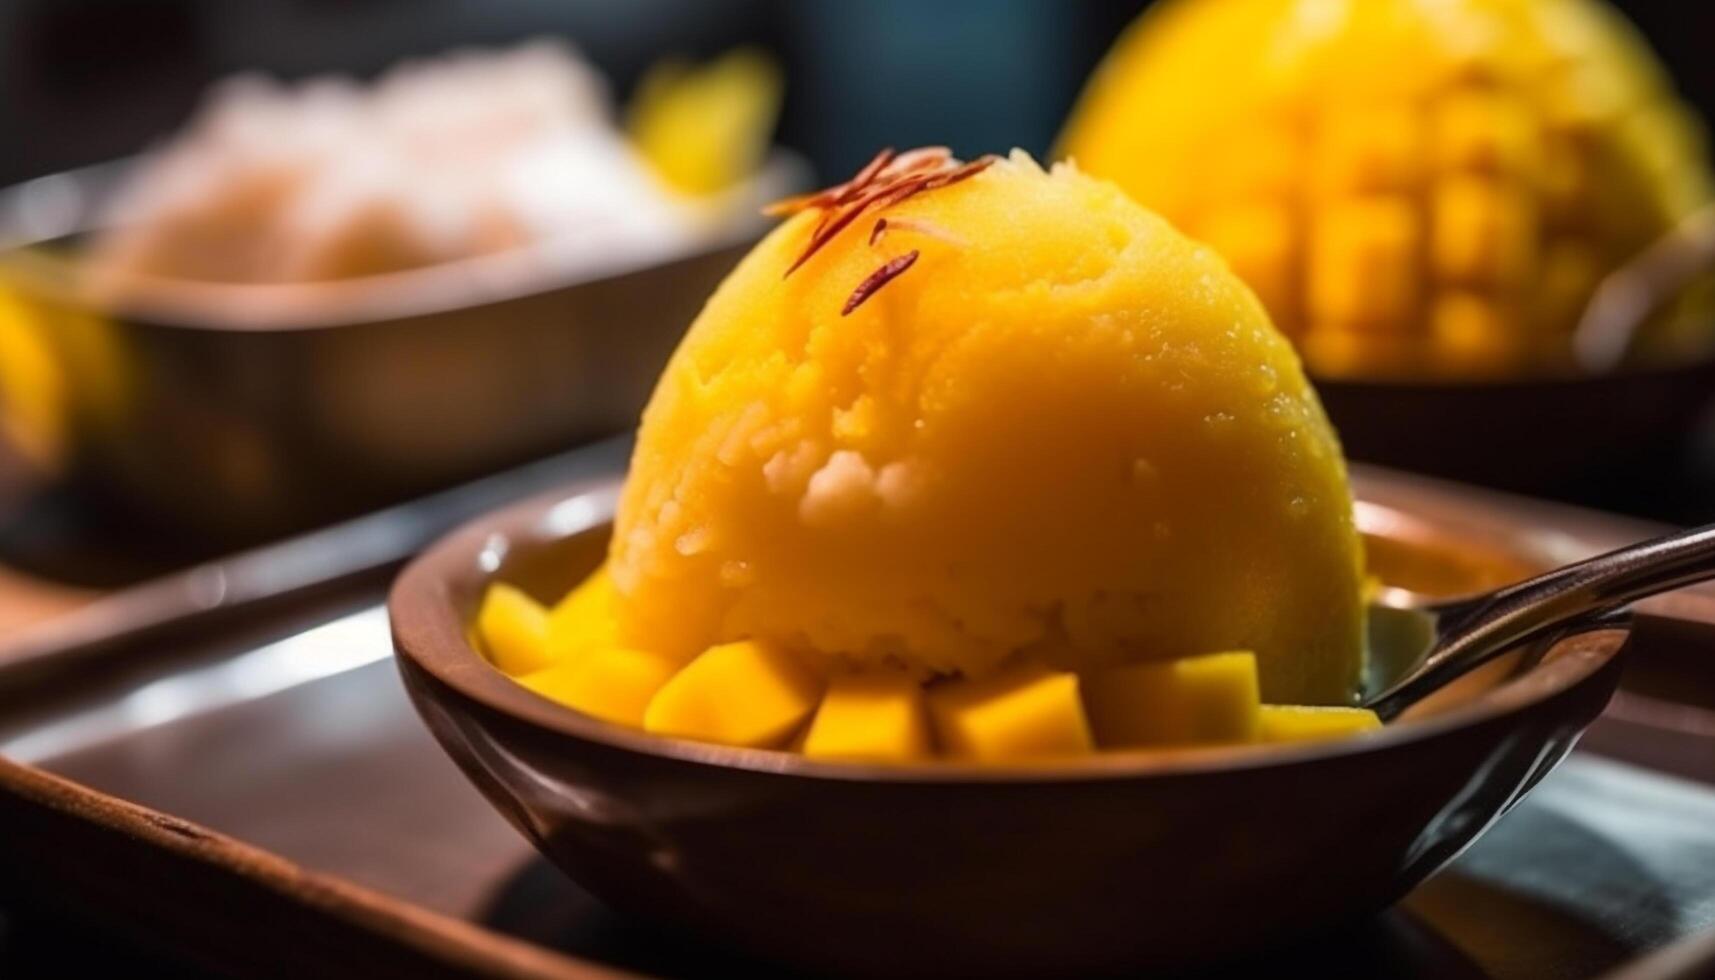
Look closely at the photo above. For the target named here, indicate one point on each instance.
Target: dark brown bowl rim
(429, 636)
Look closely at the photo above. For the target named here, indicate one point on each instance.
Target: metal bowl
(242, 412)
(1124, 862)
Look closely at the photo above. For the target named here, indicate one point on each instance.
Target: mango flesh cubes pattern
(1363, 275)
(875, 716)
(1207, 700)
(1307, 723)
(748, 693)
(1018, 714)
(514, 628)
(614, 684)
(1417, 152)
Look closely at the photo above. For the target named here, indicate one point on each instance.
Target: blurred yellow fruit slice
(1309, 723)
(874, 716)
(707, 128)
(514, 630)
(1207, 700)
(747, 693)
(33, 385)
(615, 684)
(1023, 713)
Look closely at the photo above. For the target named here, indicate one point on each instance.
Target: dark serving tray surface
(296, 739)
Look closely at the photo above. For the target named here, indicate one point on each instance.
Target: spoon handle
(1475, 631)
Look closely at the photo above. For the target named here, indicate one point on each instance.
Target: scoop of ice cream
(1024, 419)
(1411, 187)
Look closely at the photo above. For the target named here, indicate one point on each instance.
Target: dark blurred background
(89, 80)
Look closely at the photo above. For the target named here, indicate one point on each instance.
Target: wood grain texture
(64, 839)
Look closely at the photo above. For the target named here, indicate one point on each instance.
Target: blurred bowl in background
(1552, 436)
(240, 412)
(1428, 198)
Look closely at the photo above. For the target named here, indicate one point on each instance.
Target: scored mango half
(1409, 187)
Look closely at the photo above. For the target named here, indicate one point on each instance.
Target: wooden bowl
(1127, 861)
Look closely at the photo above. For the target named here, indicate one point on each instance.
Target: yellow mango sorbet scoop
(959, 462)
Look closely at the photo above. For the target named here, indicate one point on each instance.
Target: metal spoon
(1457, 636)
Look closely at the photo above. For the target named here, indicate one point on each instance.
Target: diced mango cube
(1474, 336)
(1487, 132)
(875, 716)
(1378, 149)
(514, 630)
(1570, 274)
(1023, 713)
(1259, 242)
(1363, 263)
(1565, 183)
(1309, 723)
(1483, 232)
(1337, 352)
(748, 693)
(584, 619)
(614, 684)
(1206, 700)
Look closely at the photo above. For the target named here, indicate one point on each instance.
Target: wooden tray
(256, 797)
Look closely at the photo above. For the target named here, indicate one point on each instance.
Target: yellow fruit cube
(584, 619)
(1371, 150)
(1565, 183)
(1484, 232)
(1310, 723)
(514, 630)
(1570, 274)
(1207, 700)
(1363, 263)
(1474, 336)
(615, 684)
(1258, 241)
(1022, 713)
(1337, 352)
(1487, 132)
(875, 716)
(706, 128)
(748, 693)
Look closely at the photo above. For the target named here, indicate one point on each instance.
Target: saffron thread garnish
(887, 180)
(877, 279)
